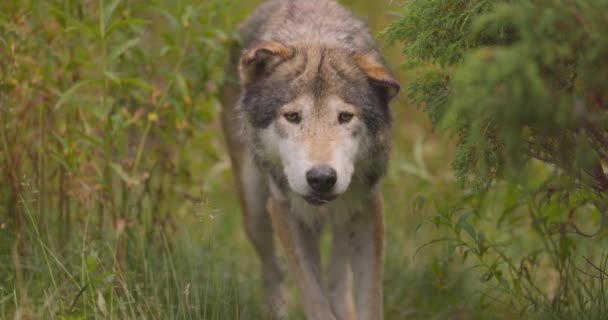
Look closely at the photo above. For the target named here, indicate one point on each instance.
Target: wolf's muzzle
(321, 178)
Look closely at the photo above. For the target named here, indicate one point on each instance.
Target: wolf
(308, 128)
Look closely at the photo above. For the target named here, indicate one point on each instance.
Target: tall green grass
(117, 201)
(106, 110)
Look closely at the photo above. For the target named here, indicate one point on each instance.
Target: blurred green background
(117, 200)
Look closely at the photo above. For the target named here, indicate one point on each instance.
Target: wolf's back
(291, 21)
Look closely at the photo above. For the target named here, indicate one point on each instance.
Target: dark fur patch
(376, 113)
(376, 170)
(318, 83)
(358, 91)
(262, 99)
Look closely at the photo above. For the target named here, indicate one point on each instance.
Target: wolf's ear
(262, 58)
(379, 75)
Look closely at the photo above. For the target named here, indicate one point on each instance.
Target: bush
(517, 82)
(104, 114)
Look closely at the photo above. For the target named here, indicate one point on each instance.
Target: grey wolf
(308, 128)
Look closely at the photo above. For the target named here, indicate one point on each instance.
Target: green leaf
(59, 158)
(92, 139)
(466, 226)
(183, 88)
(112, 76)
(120, 50)
(419, 203)
(61, 140)
(123, 175)
(108, 11)
(124, 23)
(173, 21)
(137, 83)
(67, 95)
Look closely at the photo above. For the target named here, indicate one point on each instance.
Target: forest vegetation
(116, 195)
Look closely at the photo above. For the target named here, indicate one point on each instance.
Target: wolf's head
(319, 115)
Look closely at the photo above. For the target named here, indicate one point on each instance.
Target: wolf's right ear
(262, 58)
(379, 75)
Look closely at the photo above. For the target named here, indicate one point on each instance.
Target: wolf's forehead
(310, 104)
(319, 73)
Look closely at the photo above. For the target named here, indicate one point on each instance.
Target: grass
(119, 203)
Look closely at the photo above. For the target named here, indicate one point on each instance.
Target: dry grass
(117, 198)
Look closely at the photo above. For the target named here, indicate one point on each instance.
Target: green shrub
(105, 108)
(516, 82)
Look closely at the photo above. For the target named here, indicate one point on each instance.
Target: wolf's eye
(292, 117)
(345, 117)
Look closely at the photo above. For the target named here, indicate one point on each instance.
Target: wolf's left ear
(262, 58)
(379, 75)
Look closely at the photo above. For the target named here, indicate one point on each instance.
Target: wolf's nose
(321, 178)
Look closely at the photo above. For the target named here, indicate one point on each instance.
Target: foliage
(539, 95)
(117, 200)
(520, 81)
(104, 114)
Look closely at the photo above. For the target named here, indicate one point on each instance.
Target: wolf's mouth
(319, 200)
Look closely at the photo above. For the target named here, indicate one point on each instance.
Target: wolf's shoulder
(290, 21)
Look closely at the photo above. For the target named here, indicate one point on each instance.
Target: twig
(602, 272)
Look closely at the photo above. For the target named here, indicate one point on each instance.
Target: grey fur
(312, 49)
(291, 21)
(318, 28)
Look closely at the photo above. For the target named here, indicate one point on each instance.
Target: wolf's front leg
(367, 258)
(301, 245)
(339, 277)
(253, 194)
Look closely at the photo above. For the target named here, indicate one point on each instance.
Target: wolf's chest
(353, 202)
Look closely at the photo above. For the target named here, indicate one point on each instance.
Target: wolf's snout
(321, 178)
